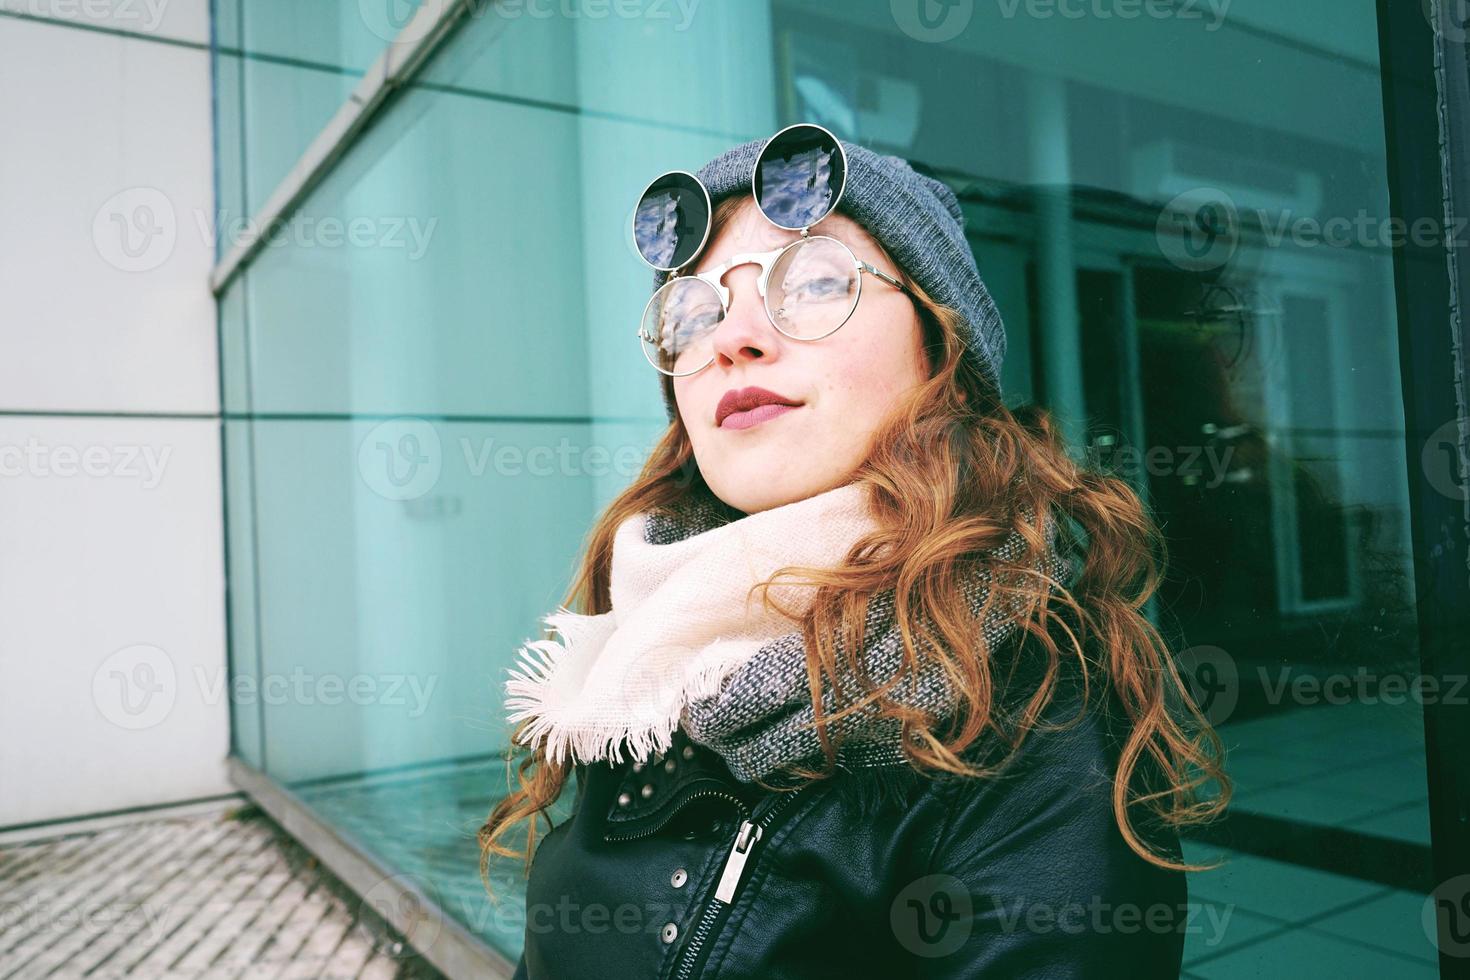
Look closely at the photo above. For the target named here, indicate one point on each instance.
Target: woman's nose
(746, 333)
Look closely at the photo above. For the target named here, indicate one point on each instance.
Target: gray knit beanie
(917, 219)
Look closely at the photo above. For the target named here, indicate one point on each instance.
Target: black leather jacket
(674, 869)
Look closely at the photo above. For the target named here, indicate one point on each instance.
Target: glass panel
(1150, 199)
(245, 716)
(283, 70)
(425, 306)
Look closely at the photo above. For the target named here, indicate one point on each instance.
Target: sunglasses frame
(755, 171)
(704, 238)
(767, 261)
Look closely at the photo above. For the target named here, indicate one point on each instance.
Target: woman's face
(846, 383)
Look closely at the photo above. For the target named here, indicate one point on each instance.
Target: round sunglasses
(809, 287)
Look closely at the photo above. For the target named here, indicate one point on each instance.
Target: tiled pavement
(221, 895)
(202, 897)
(1263, 918)
(1355, 767)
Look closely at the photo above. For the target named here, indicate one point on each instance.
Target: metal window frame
(455, 950)
(1425, 73)
(400, 61)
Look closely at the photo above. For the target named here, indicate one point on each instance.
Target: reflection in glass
(1143, 209)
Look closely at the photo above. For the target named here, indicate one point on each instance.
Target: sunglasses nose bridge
(763, 259)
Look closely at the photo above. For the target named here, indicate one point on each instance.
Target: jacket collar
(648, 795)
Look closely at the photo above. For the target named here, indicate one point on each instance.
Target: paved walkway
(221, 895)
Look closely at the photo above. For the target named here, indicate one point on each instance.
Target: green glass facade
(431, 382)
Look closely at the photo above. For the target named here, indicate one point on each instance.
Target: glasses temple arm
(883, 275)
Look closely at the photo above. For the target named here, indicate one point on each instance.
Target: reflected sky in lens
(797, 191)
(656, 228)
(671, 221)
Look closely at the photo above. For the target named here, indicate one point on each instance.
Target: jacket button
(670, 765)
(688, 751)
(637, 767)
(647, 790)
(669, 932)
(624, 799)
(680, 876)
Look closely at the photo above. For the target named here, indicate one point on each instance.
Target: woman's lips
(755, 416)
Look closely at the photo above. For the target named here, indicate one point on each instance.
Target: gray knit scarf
(755, 722)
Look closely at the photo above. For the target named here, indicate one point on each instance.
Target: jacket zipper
(751, 830)
(741, 804)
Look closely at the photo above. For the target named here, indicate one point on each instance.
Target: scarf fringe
(529, 690)
(615, 683)
(531, 694)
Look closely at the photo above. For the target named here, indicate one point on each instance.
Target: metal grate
(221, 895)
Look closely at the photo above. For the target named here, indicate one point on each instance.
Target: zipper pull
(735, 864)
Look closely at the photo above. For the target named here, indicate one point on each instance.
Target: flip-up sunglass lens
(799, 176)
(671, 220)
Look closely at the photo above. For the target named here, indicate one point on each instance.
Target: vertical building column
(403, 559)
(1056, 274)
(658, 94)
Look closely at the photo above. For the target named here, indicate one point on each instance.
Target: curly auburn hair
(952, 469)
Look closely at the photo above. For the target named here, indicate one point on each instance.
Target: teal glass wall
(432, 383)
(283, 69)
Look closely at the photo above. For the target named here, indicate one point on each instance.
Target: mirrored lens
(813, 288)
(799, 176)
(679, 325)
(671, 220)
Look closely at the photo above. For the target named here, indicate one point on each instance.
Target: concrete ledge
(439, 938)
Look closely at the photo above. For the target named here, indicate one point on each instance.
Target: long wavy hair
(952, 472)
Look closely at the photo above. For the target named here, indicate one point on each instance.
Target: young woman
(859, 685)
